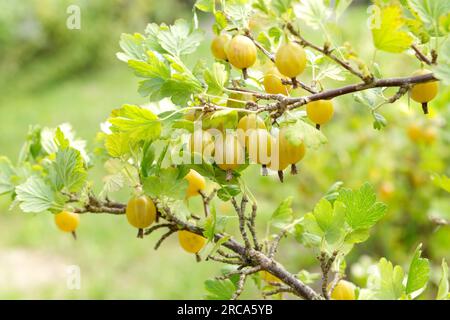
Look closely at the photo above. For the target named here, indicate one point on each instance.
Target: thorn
(74, 235)
(425, 107)
(317, 126)
(140, 234)
(280, 175)
(264, 170)
(294, 170)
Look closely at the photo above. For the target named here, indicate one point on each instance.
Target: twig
(284, 289)
(156, 227)
(240, 286)
(325, 265)
(247, 271)
(420, 55)
(206, 200)
(271, 56)
(259, 46)
(228, 255)
(252, 227)
(164, 237)
(242, 219)
(327, 52)
(226, 261)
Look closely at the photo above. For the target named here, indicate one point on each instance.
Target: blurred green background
(50, 75)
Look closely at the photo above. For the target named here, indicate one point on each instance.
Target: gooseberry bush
(264, 101)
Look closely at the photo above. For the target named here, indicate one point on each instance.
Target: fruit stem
(317, 126)
(425, 107)
(294, 169)
(294, 82)
(74, 235)
(280, 175)
(244, 73)
(229, 175)
(140, 234)
(264, 170)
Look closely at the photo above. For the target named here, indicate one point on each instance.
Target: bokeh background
(50, 75)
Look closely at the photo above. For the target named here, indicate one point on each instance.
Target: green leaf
(219, 289)
(118, 144)
(442, 72)
(333, 192)
(442, 69)
(379, 121)
(224, 118)
(357, 236)
(205, 5)
(303, 132)
(283, 215)
(36, 196)
(387, 283)
(68, 171)
(6, 173)
(330, 220)
(216, 78)
(430, 12)
(362, 209)
(133, 47)
(228, 191)
(137, 123)
(443, 288)
(388, 36)
(312, 12)
(115, 180)
(419, 272)
(180, 38)
(168, 183)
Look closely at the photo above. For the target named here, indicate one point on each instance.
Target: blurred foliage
(34, 37)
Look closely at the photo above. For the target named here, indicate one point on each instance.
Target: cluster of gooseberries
(253, 139)
(289, 62)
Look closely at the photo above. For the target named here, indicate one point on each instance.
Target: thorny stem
(325, 265)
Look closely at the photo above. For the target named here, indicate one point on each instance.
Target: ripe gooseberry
(228, 154)
(67, 221)
(320, 112)
(290, 60)
(241, 53)
(424, 92)
(196, 183)
(191, 242)
(344, 290)
(218, 46)
(288, 154)
(141, 213)
(273, 82)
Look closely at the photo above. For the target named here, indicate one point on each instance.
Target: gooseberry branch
(250, 259)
